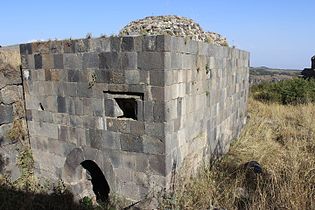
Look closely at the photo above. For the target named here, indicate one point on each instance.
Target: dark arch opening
(100, 186)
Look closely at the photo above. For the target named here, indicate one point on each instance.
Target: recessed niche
(124, 105)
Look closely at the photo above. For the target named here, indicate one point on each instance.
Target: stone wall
(72, 91)
(137, 106)
(206, 89)
(12, 122)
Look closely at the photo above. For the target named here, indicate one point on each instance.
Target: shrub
(295, 91)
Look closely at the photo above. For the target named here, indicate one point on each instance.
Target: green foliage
(87, 202)
(25, 161)
(27, 181)
(295, 91)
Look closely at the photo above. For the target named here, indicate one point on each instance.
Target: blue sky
(278, 33)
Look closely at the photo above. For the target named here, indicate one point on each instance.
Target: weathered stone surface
(157, 164)
(109, 60)
(131, 143)
(6, 114)
(157, 93)
(149, 43)
(176, 61)
(99, 45)
(58, 61)
(127, 43)
(104, 140)
(4, 139)
(152, 145)
(11, 106)
(72, 61)
(69, 46)
(62, 107)
(38, 61)
(115, 44)
(26, 48)
(159, 112)
(150, 61)
(90, 60)
(132, 77)
(60, 148)
(47, 61)
(81, 45)
(154, 129)
(9, 75)
(137, 127)
(56, 46)
(135, 105)
(10, 94)
(112, 108)
(73, 75)
(157, 78)
(129, 61)
(74, 158)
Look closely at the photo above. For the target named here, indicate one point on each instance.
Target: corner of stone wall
(13, 128)
(206, 90)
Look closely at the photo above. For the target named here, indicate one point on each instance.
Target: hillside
(265, 74)
(263, 70)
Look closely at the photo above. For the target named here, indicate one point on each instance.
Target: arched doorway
(100, 185)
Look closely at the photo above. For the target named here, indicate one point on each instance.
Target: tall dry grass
(282, 139)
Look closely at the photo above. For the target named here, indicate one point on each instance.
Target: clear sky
(278, 33)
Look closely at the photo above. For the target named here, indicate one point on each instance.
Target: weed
(88, 36)
(18, 131)
(27, 181)
(19, 111)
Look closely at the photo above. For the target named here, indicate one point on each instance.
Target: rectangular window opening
(128, 106)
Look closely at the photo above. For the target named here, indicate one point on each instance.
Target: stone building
(308, 73)
(136, 107)
(123, 114)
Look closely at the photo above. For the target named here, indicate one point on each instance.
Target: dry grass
(282, 139)
(18, 131)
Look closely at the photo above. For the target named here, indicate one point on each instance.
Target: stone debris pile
(172, 25)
